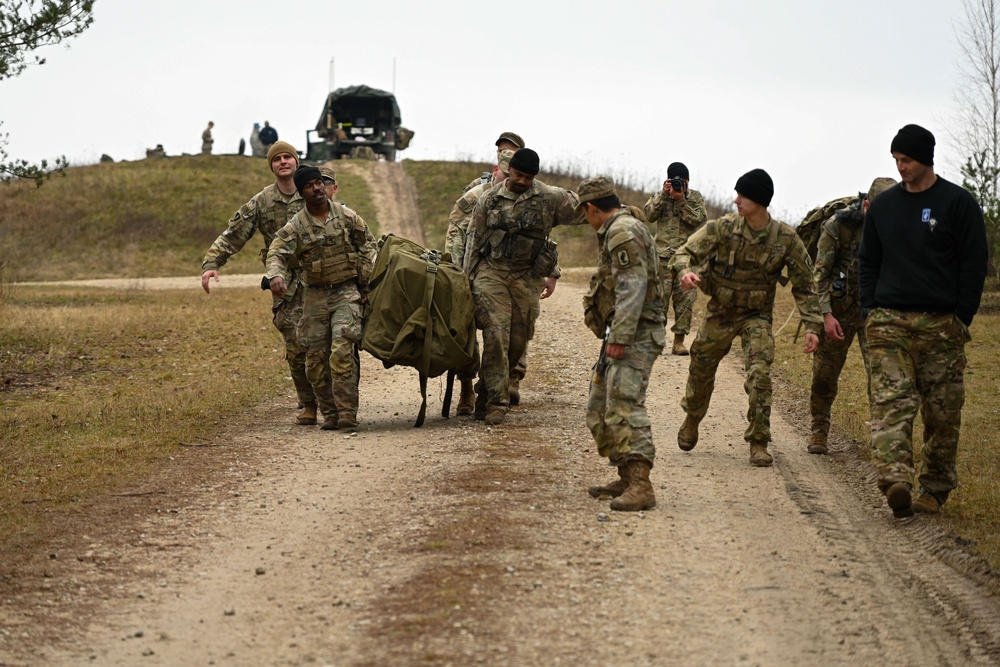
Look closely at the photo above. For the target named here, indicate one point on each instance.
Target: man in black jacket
(922, 264)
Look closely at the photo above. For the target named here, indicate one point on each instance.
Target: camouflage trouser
(828, 362)
(329, 330)
(714, 339)
(682, 299)
(472, 370)
(506, 310)
(286, 320)
(918, 362)
(616, 408)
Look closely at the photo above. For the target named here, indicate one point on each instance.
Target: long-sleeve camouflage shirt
(304, 233)
(507, 229)
(675, 221)
(458, 222)
(836, 270)
(740, 267)
(627, 264)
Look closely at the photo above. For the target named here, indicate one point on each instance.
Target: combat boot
(330, 423)
(687, 437)
(494, 416)
(346, 421)
(817, 444)
(308, 415)
(467, 400)
(615, 488)
(899, 500)
(678, 348)
(480, 411)
(514, 391)
(639, 494)
(928, 502)
(759, 456)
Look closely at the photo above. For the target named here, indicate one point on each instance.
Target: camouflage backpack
(420, 313)
(811, 227)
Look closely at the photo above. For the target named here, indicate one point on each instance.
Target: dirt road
(458, 544)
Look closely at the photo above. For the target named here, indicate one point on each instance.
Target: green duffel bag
(420, 313)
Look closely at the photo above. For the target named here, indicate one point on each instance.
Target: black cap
(915, 142)
(757, 186)
(525, 160)
(678, 170)
(304, 174)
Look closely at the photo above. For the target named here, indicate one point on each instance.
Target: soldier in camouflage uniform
(510, 261)
(454, 243)
(677, 212)
(922, 265)
(737, 260)
(836, 276)
(625, 307)
(336, 252)
(207, 140)
(267, 212)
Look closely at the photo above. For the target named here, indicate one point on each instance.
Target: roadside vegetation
(100, 389)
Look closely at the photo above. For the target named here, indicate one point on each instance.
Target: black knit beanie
(677, 170)
(525, 160)
(915, 142)
(757, 186)
(304, 174)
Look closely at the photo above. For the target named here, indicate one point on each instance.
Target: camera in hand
(677, 184)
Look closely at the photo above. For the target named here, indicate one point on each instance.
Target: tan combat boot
(347, 421)
(330, 423)
(928, 502)
(687, 437)
(639, 494)
(899, 500)
(678, 348)
(817, 444)
(514, 391)
(615, 488)
(495, 416)
(467, 400)
(308, 415)
(759, 456)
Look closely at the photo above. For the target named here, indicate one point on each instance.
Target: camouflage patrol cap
(328, 174)
(597, 187)
(880, 185)
(504, 161)
(512, 138)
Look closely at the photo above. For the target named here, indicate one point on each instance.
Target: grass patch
(971, 509)
(99, 388)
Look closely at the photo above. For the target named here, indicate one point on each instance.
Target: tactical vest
(740, 279)
(847, 289)
(330, 257)
(517, 239)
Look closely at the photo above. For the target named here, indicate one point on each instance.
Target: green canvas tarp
(420, 313)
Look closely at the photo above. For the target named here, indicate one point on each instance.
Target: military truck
(357, 120)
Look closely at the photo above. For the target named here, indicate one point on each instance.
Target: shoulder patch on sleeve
(622, 248)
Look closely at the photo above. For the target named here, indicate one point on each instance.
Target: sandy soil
(461, 544)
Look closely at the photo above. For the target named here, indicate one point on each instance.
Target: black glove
(265, 284)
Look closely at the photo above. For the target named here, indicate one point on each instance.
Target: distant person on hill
(624, 308)
(267, 212)
(751, 249)
(922, 265)
(207, 140)
(336, 251)
(836, 274)
(256, 145)
(454, 243)
(512, 263)
(677, 212)
(268, 135)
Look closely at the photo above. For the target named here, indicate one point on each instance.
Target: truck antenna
(394, 75)
(332, 72)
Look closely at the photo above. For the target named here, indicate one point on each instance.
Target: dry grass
(99, 388)
(971, 510)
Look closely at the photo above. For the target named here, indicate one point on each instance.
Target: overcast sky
(811, 91)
